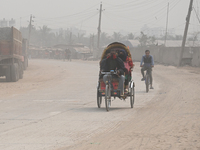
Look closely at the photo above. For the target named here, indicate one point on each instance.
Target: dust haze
(50, 52)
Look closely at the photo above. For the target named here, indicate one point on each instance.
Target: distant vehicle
(13, 54)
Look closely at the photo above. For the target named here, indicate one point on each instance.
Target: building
(156, 31)
(7, 23)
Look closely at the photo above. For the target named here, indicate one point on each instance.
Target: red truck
(13, 58)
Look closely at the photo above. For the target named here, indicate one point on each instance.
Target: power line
(158, 12)
(73, 24)
(74, 17)
(196, 14)
(161, 15)
(124, 6)
(75, 13)
(141, 6)
(86, 19)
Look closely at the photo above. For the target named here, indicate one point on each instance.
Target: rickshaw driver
(113, 62)
(148, 65)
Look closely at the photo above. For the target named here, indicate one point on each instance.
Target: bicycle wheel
(132, 96)
(99, 99)
(147, 83)
(107, 97)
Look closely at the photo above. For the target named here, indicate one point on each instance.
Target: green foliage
(146, 40)
(130, 36)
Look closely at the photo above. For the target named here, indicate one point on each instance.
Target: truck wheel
(8, 74)
(25, 63)
(15, 72)
(21, 71)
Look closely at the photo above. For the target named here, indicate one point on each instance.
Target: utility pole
(29, 35)
(91, 43)
(20, 23)
(99, 27)
(30, 27)
(185, 32)
(166, 24)
(70, 38)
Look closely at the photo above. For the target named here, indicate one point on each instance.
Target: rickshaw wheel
(132, 96)
(99, 99)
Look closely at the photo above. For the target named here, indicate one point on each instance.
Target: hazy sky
(127, 15)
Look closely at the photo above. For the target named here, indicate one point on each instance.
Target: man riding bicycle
(148, 61)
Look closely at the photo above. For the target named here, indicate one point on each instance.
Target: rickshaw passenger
(128, 63)
(113, 62)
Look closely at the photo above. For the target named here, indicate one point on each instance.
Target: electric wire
(115, 14)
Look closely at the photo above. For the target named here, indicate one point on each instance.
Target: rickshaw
(109, 90)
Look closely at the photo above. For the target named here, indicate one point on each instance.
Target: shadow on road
(102, 109)
(140, 91)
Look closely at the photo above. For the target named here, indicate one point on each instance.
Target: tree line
(46, 37)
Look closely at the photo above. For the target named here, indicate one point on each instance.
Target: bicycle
(108, 88)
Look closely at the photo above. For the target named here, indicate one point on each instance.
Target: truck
(12, 54)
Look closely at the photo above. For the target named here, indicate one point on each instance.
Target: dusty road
(54, 108)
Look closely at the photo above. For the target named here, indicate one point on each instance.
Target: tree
(130, 36)
(117, 36)
(178, 37)
(80, 37)
(194, 36)
(152, 40)
(143, 39)
(104, 38)
(44, 31)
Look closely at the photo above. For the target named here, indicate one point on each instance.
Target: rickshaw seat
(115, 83)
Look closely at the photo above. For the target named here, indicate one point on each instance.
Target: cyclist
(148, 61)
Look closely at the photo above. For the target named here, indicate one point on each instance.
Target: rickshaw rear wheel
(99, 99)
(132, 96)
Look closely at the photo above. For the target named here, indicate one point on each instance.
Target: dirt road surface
(54, 108)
